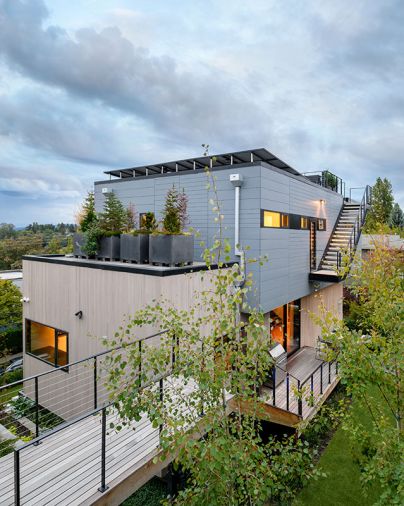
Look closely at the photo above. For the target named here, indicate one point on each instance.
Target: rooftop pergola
(199, 163)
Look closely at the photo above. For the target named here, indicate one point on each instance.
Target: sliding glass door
(285, 326)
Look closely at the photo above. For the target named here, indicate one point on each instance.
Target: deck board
(65, 469)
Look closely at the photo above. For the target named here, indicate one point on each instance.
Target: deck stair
(344, 238)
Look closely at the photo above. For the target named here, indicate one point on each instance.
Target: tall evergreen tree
(171, 220)
(382, 205)
(397, 217)
(114, 217)
(88, 216)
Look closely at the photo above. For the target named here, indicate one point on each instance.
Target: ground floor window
(285, 326)
(47, 343)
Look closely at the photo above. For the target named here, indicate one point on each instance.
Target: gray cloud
(106, 66)
(321, 86)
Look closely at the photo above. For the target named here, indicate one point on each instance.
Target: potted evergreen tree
(87, 221)
(112, 222)
(171, 245)
(135, 246)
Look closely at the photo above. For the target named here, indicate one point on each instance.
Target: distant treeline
(34, 239)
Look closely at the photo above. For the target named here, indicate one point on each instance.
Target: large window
(47, 343)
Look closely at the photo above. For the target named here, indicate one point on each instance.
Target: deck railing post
(17, 498)
(287, 391)
(103, 486)
(273, 385)
(161, 387)
(311, 384)
(329, 372)
(299, 400)
(36, 407)
(173, 352)
(140, 364)
(321, 378)
(95, 382)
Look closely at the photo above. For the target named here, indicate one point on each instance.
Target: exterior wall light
(322, 202)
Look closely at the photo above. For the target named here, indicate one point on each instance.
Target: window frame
(324, 222)
(294, 221)
(281, 218)
(57, 333)
(307, 219)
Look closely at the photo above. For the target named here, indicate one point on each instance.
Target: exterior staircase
(340, 237)
(344, 238)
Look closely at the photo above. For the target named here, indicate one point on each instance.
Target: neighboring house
(299, 222)
(14, 276)
(367, 243)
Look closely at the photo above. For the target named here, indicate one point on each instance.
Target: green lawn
(342, 485)
(150, 494)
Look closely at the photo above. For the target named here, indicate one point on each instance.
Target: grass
(342, 485)
(150, 494)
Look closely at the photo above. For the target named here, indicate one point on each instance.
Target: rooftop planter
(109, 248)
(170, 249)
(172, 246)
(113, 221)
(135, 246)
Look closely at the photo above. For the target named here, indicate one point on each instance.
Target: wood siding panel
(331, 297)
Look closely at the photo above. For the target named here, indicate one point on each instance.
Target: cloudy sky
(92, 85)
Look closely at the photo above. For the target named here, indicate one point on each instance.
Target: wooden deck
(318, 379)
(65, 468)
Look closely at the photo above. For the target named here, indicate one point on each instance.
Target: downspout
(237, 181)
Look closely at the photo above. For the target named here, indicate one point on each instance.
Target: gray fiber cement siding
(285, 276)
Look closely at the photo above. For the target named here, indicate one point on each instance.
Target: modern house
(301, 223)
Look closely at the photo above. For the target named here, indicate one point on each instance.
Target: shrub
(11, 377)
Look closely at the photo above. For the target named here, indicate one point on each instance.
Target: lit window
(285, 221)
(321, 224)
(272, 219)
(304, 222)
(47, 343)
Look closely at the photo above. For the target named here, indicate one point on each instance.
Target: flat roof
(152, 270)
(212, 161)
(11, 275)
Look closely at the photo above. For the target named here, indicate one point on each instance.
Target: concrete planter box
(135, 248)
(171, 249)
(78, 243)
(110, 248)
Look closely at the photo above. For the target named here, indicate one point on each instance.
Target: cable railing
(48, 399)
(328, 180)
(354, 236)
(85, 452)
(290, 394)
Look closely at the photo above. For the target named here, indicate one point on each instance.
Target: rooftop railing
(328, 180)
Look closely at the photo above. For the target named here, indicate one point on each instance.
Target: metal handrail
(356, 229)
(64, 367)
